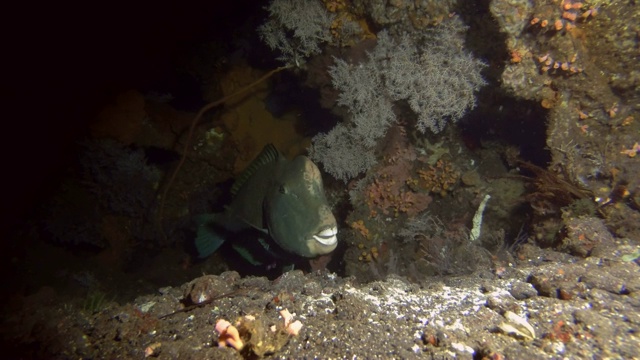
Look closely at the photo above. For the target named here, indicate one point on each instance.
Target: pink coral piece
(229, 335)
(294, 328)
(286, 315)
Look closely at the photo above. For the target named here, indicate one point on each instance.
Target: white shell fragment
(144, 308)
(518, 326)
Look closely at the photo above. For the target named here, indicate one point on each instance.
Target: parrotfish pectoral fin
(208, 240)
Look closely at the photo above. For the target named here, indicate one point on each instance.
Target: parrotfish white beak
(327, 237)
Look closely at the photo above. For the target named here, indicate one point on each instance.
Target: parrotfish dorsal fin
(268, 155)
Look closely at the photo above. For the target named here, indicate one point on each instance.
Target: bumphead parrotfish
(284, 201)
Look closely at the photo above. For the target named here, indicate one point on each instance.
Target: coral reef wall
(415, 67)
(428, 107)
(579, 60)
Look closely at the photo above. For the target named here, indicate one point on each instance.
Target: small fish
(279, 209)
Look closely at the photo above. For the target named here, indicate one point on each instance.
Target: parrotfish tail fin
(209, 237)
(246, 254)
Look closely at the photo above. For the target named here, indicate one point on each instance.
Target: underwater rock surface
(576, 307)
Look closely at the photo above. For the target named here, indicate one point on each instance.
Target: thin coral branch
(187, 142)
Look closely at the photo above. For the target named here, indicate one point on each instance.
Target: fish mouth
(327, 236)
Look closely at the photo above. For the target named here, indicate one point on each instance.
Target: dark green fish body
(281, 203)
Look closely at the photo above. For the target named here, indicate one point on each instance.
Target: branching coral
(361, 228)
(187, 143)
(552, 191)
(439, 178)
(388, 190)
(391, 196)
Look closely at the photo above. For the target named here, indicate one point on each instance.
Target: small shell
(518, 326)
(152, 350)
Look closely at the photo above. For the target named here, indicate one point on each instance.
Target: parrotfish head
(298, 216)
